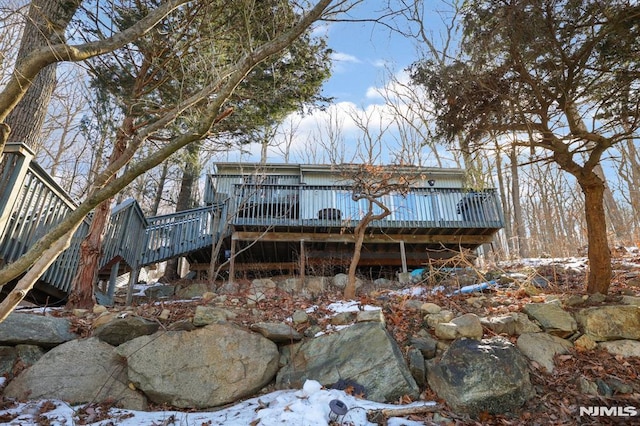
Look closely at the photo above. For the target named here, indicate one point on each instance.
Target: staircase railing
(33, 204)
(171, 235)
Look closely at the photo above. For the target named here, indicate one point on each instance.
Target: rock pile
(475, 364)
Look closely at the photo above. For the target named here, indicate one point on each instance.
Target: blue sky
(361, 52)
(365, 57)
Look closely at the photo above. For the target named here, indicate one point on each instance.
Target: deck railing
(36, 205)
(313, 205)
(124, 233)
(178, 233)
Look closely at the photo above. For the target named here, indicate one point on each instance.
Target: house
(302, 216)
(260, 217)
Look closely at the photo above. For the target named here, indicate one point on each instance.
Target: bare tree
(213, 95)
(543, 69)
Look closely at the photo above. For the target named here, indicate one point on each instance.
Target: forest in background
(79, 131)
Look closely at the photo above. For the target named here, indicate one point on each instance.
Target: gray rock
(631, 300)
(425, 344)
(446, 331)
(276, 331)
(430, 308)
(384, 283)
(255, 296)
(610, 322)
(524, 324)
(291, 285)
(78, 372)
(413, 304)
(120, 330)
(182, 325)
(312, 331)
(474, 376)
(205, 315)
(542, 347)
(29, 329)
(597, 298)
(553, 319)
(340, 281)
(192, 291)
(370, 315)
(587, 387)
(624, 348)
(263, 284)
(207, 367)
(8, 358)
(14, 359)
(417, 366)
(468, 325)
(343, 318)
(364, 353)
(314, 286)
(404, 278)
(575, 300)
(300, 317)
(618, 386)
(160, 291)
(514, 323)
(502, 324)
(435, 319)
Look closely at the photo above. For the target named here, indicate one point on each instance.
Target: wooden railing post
(13, 169)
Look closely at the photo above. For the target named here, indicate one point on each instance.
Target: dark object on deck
(329, 213)
(472, 207)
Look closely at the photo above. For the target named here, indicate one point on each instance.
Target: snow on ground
(305, 407)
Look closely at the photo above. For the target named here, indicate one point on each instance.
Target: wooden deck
(261, 226)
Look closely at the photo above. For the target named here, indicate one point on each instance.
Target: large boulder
(553, 319)
(542, 347)
(78, 372)
(474, 376)
(39, 330)
(363, 353)
(610, 322)
(207, 367)
(120, 330)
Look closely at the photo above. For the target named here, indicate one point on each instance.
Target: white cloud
(344, 57)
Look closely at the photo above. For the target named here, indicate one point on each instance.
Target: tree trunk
(45, 25)
(160, 189)
(358, 232)
(518, 219)
(599, 276)
(188, 183)
(91, 247)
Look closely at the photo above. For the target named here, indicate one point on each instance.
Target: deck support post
(303, 256)
(111, 290)
(403, 258)
(232, 259)
(133, 279)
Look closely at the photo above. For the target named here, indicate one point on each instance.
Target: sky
(364, 55)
